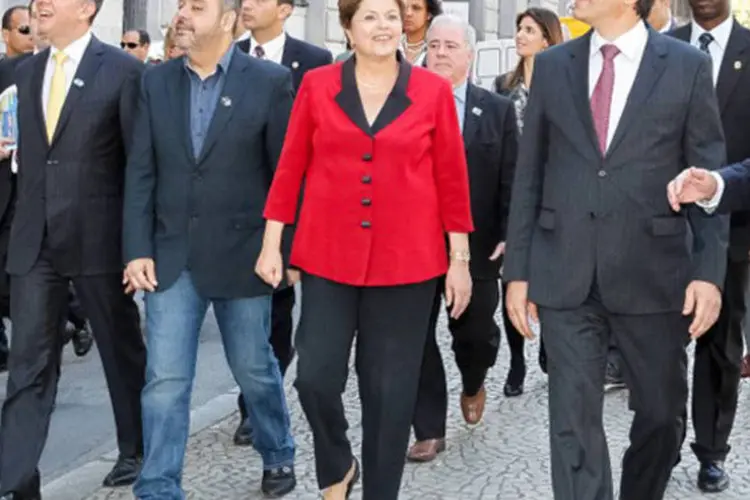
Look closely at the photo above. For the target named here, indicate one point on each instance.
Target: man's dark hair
(143, 37)
(643, 8)
(287, 2)
(8, 15)
(98, 4)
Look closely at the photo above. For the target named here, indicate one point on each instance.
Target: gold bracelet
(461, 256)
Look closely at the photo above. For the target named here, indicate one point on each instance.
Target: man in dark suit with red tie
(594, 250)
(76, 109)
(268, 40)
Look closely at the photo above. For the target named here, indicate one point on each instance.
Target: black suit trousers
(39, 304)
(716, 374)
(652, 347)
(476, 339)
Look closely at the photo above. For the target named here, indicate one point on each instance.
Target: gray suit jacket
(578, 218)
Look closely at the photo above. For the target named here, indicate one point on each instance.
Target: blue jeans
(173, 320)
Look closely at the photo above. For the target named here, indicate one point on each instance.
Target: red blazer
(378, 199)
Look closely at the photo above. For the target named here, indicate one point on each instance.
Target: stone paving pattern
(504, 458)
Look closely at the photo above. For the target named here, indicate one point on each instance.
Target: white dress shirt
(74, 53)
(274, 49)
(719, 44)
(632, 45)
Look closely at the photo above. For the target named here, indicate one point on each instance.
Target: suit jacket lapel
(290, 53)
(235, 85)
(87, 69)
(734, 62)
(471, 120)
(179, 99)
(578, 74)
(651, 68)
(37, 87)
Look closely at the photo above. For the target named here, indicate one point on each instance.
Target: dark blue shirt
(204, 96)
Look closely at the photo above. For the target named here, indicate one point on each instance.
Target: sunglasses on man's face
(129, 45)
(24, 30)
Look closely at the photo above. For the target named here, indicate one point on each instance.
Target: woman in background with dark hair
(536, 30)
(419, 15)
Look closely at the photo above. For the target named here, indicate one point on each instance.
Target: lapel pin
(476, 111)
(78, 83)
(738, 65)
(226, 101)
(295, 65)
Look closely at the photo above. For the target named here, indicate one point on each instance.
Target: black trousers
(391, 324)
(476, 339)
(652, 348)
(282, 326)
(716, 374)
(39, 303)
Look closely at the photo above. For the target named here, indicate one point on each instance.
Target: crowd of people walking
(589, 189)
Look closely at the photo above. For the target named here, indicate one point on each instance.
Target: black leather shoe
(278, 482)
(712, 478)
(124, 473)
(243, 436)
(83, 340)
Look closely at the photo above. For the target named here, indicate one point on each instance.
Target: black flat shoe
(514, 383)
(243, 436)
(83, 340)
(355, 479)
(124, 473)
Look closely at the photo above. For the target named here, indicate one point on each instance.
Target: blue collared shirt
(204, 95)
(459, 96)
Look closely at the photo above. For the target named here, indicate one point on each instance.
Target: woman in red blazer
(378, 145)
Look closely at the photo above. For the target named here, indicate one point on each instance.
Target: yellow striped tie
(57, 90)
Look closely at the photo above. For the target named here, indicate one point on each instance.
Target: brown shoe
(426, 451)
(473, 407)
(746, 367)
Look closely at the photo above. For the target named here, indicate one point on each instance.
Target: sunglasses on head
(24, 30)
(129, 45)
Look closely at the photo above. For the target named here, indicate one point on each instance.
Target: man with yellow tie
(77, 102)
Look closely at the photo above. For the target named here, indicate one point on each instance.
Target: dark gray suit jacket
(205, 213)
(578, 218)
(70, 190)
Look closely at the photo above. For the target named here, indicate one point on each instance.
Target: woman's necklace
(414, 47)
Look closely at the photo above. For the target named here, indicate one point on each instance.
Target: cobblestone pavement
(505, 458)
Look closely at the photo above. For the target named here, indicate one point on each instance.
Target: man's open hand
(703, 301)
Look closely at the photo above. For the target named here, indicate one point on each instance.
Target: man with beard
(209, 133)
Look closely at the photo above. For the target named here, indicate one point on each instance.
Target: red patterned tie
(601, 99)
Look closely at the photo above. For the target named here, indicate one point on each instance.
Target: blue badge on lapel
(476, 111)
(78, 83)
(226, 101)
